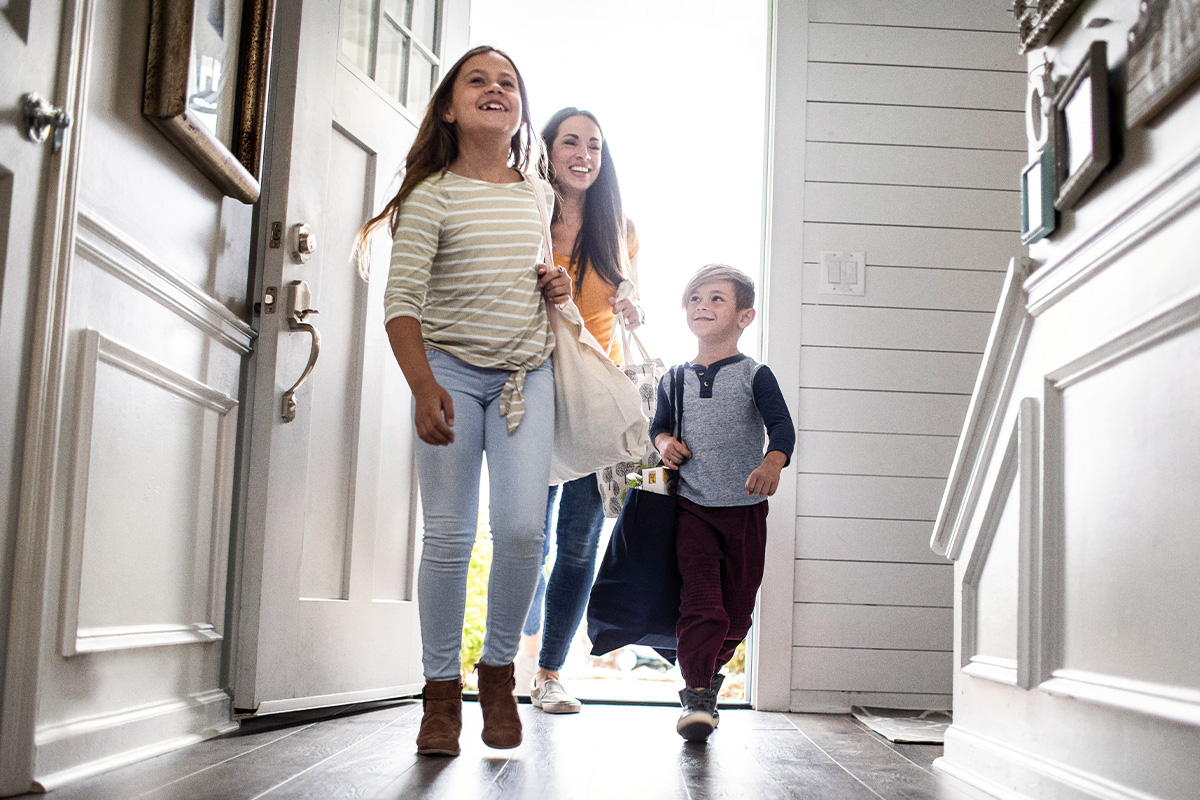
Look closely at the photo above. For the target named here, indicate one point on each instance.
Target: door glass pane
(420, 85)
(358, 19)
(424, 22)
(391, 71)
(398, 10)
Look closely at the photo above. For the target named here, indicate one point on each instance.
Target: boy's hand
(673, 451)
(555, 284)
(764, 480)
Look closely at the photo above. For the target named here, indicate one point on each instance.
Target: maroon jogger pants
(721, 551)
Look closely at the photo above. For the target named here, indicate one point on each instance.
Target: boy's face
(712, 311)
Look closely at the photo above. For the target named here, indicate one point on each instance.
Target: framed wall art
(1164, 57)
(1039, 20)
(1039, 218)
(206, 82)
(1083, 127)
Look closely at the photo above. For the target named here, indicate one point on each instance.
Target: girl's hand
(627, 309)
(434, 415)
(673, 451)
(555, 284)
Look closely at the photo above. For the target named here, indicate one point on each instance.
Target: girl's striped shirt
(464, 263)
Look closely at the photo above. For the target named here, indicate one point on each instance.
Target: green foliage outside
(475, 619)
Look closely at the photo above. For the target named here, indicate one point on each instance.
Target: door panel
(329, 615)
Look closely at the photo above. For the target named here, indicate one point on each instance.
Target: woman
(466, 315)
(597, 246)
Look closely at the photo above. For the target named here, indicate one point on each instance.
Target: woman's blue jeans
(518, 472)
(580, 520)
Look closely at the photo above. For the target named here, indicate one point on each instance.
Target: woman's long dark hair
(436, 146)
(601, 243)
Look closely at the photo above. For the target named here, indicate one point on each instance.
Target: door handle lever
(299, 308)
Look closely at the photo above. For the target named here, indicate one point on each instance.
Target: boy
(724, 480)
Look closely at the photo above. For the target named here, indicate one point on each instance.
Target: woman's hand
(555, 284)
(673, 451)
(434, 415)
(629, 310)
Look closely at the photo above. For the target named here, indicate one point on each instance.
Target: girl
(598, 247)
(465, 310)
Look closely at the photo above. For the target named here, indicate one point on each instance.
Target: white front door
(327, 611)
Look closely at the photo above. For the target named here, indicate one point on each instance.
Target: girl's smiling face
(712, 311)
(486, 96)
(575, 154)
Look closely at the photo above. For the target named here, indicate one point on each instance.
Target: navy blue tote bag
(635, 598)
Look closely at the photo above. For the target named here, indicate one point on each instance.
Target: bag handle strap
(677, 384)
(539, 196)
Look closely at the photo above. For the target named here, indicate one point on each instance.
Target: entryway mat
(899, 725)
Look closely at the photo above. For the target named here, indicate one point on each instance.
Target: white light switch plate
(843, 272)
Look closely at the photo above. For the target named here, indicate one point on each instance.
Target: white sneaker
(552, 698)
(524, 668)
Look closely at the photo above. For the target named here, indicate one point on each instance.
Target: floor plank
(367, 753)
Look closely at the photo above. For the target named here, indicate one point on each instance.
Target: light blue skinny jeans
(518, 472)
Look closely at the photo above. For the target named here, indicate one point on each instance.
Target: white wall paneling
(920, 127)
(888, 370)
(900, 246)
(881, 412)
(913, 138)
(998, 594)
(936, 14)
(170, 529)
(947, 167)
(847, 453)
(917, 46)
(1101, 408)
(847, 539)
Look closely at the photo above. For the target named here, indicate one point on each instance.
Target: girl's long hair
(436, 146)
(601, 243)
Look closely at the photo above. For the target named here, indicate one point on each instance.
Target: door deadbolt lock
(304, 242)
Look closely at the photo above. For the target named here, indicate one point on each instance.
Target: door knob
(299, 307)
(41, 118)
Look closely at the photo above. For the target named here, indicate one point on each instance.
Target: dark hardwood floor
(626, 752)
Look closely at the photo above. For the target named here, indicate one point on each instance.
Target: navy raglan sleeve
(781, 433)
(664, 412)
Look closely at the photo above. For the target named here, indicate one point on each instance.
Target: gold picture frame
(225, 141)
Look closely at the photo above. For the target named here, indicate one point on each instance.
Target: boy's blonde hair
(743, 286)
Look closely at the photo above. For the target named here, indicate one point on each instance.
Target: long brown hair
(436, 146)
(601, 243)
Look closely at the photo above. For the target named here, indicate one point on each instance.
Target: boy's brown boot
(501, 724)
(442, 721)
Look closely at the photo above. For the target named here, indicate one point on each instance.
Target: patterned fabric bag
(645, 376)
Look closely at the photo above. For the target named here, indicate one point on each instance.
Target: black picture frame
(233, 165)
(1039, 217)
(1083, 127)
(1164, 57)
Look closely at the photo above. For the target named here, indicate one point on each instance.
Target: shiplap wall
(914, 146)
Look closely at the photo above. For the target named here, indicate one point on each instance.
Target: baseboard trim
(999, 769)
(109, 741)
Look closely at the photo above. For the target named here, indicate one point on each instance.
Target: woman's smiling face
(575, 154)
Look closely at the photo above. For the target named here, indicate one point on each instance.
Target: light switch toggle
(843, 272)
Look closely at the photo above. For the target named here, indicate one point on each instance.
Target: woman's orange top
(593, 299)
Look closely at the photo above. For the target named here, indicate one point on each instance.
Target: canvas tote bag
(598, 417)
(645, 375)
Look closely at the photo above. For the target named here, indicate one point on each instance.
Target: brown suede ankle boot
(501, 723)
(442, 721)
